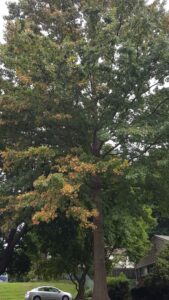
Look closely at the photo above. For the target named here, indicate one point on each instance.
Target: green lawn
(16, 291)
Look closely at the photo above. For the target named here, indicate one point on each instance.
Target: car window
(47, 289)
(44, 289)
(53, 290)
(41, 289)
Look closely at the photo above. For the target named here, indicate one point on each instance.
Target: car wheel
(65, 298)
(37, 298)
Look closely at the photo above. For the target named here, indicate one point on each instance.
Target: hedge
(153, 292)
(118, 287)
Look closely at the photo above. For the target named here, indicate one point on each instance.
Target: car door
(54, 294)
(43, 293)
(48, 293)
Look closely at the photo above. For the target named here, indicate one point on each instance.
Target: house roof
(163, 237)
(158, 242)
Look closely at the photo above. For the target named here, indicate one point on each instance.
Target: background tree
(88, 75)
(14, 224)
(63, 247)
(19, 264)
(9, 241)
(130, 233)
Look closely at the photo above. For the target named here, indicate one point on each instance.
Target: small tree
(61, 247)
(160, 271)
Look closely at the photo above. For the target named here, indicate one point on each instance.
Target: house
(122, 264)
(146, 263)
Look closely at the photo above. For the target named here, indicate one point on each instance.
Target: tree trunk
(13, 239)
(100, 286)
(79, 282)
(81, 289)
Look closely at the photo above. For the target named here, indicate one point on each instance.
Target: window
(54, 290)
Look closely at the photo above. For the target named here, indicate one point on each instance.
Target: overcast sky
(3, 11)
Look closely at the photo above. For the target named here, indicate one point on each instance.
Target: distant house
(146, 263)
(122, 264)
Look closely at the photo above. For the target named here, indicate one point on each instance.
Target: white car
(47, 293)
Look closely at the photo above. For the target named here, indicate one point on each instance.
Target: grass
(16, 291)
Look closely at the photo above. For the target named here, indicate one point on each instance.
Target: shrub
(88, 293)
(118, 287)
(139, 293)
(154, 292)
